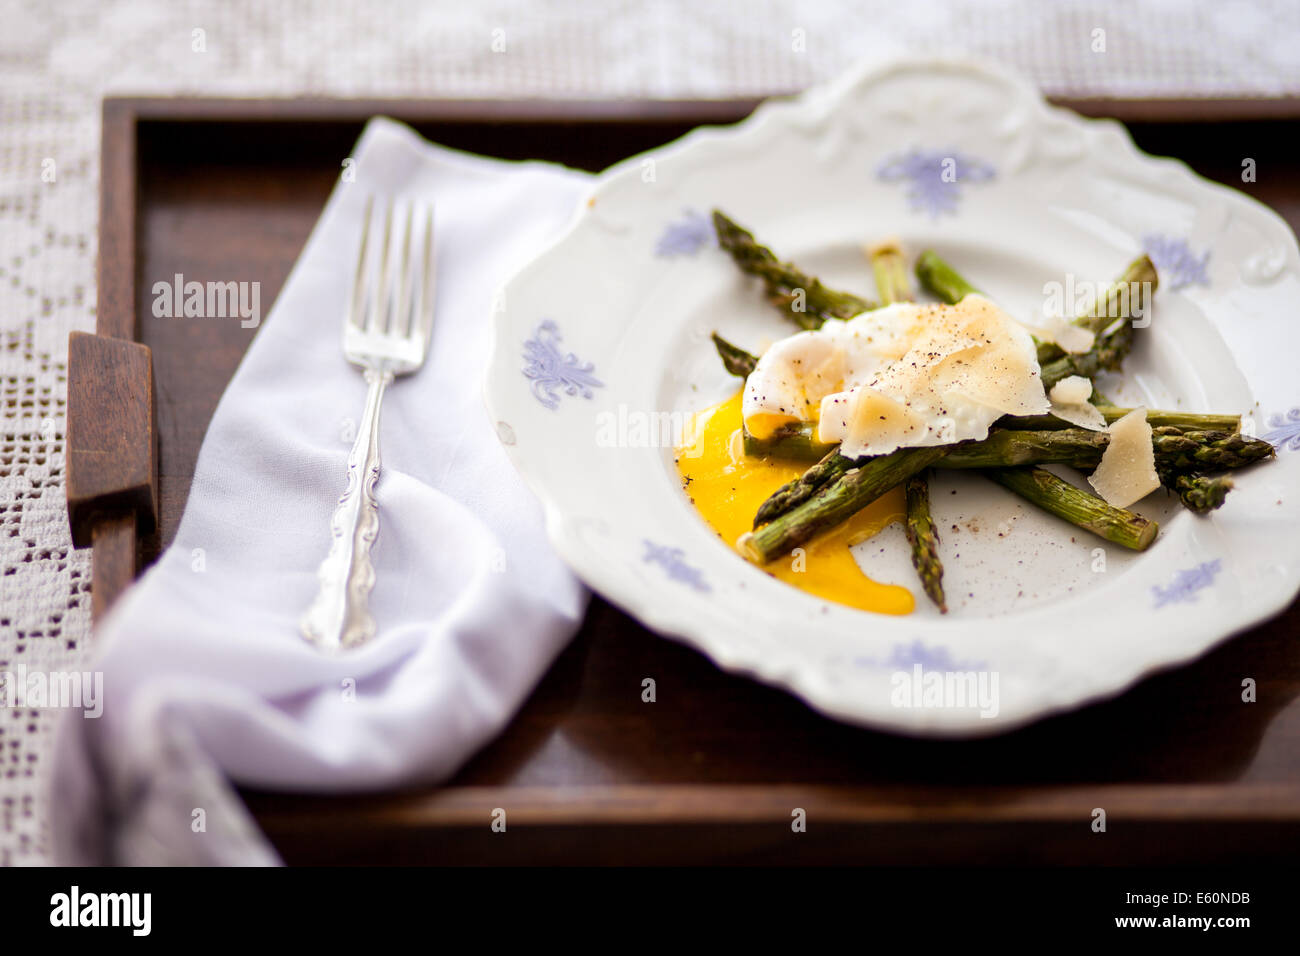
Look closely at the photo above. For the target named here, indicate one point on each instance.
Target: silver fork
(385, 334)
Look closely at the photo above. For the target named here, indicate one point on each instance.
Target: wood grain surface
(110, 434)
(712, 771)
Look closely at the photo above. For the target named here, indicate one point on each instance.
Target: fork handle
(340, 615)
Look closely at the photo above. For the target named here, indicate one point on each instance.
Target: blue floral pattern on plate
(672, 560)
(935, 177)
(1286, 431)
(552, 370)
(1175, 261)
(1187, 583)
(685, 236)
(929, 657)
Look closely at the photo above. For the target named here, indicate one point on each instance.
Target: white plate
(609, 329)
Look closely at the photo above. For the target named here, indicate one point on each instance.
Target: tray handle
(111, 460)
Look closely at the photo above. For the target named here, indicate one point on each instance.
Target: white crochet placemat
(60, 57)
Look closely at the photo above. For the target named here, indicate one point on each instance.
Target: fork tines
(392, 293)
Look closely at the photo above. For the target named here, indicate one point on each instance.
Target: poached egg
(905, 375)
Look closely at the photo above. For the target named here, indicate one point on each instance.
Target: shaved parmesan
(1070, 403)
(1083, 414)
(1071, 391)
(1127, 472)
(868, 411)
(1072, 339)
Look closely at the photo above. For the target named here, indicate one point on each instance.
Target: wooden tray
(228, 189)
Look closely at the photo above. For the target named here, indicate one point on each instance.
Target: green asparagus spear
(838, 501)
(1177, 451)
(1194, 421)
(890, 270)
(1175, 448)
(787, 287)
(798, 441)
(1199, 493)
(923, 537)
(736, 360)
(1107, 354)
(1127, 297)
(941, 279)
(1190, 450)
(794, 493)
(1039, 486)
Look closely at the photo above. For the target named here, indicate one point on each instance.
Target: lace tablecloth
(58, 58)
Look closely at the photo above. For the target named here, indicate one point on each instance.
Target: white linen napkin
(204, 674)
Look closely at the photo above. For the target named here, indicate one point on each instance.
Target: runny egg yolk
(727, 487)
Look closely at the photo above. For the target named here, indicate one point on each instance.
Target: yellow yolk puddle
(727, 487)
